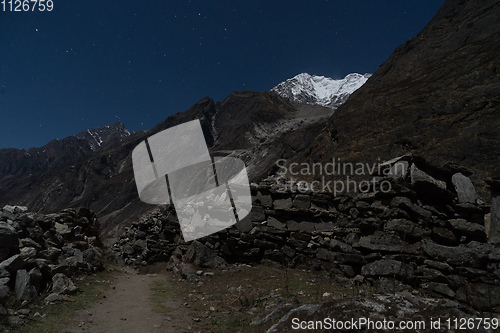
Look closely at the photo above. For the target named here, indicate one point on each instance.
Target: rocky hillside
(436, 96)
(94, 169)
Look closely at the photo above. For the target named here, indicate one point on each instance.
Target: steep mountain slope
(436, 96)
(94, 168)
(320, 90)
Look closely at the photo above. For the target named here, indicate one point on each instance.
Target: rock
(439, 288)
(358, 279)
(12, 264)
(382, 241)
(265, 200)
(330, 256)
(394, 307)
(53, 298)
(384, 285)
(426, 184)
(244, 225)
(51, 253)
(283, 204)
(28, 253)
(274, 223)
(288, 251)
(406, 204)
(387, 267)
(464, 188)
(407, 228)
(24, 291)
(75, 260)
(36, 277)
(93, 258)
(63, 229)
(188, 272)
(4, 294)
(482, 296)
(28, 242)
(362, 205)
(324, 227)
(256, 214)
(15, 209)
(262, 244)
(272, 316)
(61, 284)
(468, 228)
(443, 235)
(429, 274)
(454, 255)
(142, 235)
(337, 245)
(16, 321)
(302, 201)
(4, 273)
(307, 227)
(442, 266)
(378, 207)
(8, 238)
(202, 256)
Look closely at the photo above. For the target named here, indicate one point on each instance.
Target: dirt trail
(127, 308)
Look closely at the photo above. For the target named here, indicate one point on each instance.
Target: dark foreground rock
(40, 253)
(377, 313)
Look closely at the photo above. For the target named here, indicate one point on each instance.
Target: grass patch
(91, 288)
(230, 299)
(161, 291)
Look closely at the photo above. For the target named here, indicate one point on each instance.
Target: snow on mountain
(103, 135)
(325, 91)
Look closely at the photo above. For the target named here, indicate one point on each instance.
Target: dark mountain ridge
(76, 172)
(58, 153)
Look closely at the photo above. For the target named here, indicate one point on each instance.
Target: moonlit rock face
(320, 90)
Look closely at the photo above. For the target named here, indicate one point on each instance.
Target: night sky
(87, 64)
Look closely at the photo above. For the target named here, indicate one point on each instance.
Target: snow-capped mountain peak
(325, 91)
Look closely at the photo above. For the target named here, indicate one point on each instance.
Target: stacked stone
(428, 233)
(41, 252)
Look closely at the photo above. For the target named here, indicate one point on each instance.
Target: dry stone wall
(428, 233)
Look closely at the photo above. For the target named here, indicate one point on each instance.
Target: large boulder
(61, 284)
(387, 267)
(340, 315)
(203, 256)
(473, 254)
(464, 188)
(24, 290)
(425, 183)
